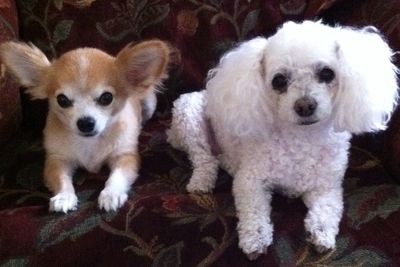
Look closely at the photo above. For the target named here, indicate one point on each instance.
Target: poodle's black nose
(86, 124)
(305, 106)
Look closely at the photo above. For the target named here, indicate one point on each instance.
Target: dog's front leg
(124, 170)
(325, 210)
(58, 179)
(253, 207)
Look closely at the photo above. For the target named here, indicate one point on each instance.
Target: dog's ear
(368, 86)
(28, 65)
(144, 65)
(236, 90)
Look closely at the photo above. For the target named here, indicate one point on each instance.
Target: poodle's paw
(255, 242)
(111, 200)
(198, 188)
(322, 239)
(254, 255)
(200, 183)
(63, 202)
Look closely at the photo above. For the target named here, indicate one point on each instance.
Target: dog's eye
(326, 75)
(63, 101)
(280, 82)
(105, 99)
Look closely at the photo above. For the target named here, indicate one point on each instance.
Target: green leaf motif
(15, 263)
(250, 22)
(152, 15)
(62, 30)
(369, 164)
(169, 257)
(361, 257)
(58, 4)
(367, 203)
(135, 16)
(136, 250)
(61, 227)
(49, 235)
(216, 3)
(345, 254)
(207, 220)
(284, 251)
(28, 4)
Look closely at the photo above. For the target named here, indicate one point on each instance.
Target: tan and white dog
(95, 112)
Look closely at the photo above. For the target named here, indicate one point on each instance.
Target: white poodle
(278, 114)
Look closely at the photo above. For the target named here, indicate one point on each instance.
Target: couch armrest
(10, 107)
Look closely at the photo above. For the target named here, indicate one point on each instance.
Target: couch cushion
(163, 225)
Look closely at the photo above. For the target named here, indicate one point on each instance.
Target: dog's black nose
(86, 124)
(305, 106)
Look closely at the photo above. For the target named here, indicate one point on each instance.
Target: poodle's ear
(367, 90)
(236, 90)
(28, 65)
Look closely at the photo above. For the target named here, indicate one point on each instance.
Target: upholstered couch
(161, 224)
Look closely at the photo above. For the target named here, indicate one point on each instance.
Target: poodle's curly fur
(268, 142)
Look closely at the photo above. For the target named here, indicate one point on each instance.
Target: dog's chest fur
(92, 153)
(290, 162)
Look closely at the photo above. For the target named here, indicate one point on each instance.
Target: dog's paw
(198, 188)
(254, 255)
(63, 202)
(110, 200)
(255, 242)
(200, 183)
(322, 239)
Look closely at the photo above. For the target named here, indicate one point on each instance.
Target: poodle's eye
(105, 99)
(280, 82)
(63, 101)
(326, 75)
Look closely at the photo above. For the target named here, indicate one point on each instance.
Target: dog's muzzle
(86, 126)
(305, 106)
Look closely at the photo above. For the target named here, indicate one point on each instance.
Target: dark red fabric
(161, 224)
(10, 107)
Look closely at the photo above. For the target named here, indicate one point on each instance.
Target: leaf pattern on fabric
(366, 203)
(188, 19)
(71, 226)
(344, 255)
(44, 20)
(162, 224)
(15, 263)
(62, 30)
(169, 257)
(292, 7)
(132, 18)
(384, 14)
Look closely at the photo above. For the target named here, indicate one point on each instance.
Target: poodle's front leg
(325, 210)
(253, 207)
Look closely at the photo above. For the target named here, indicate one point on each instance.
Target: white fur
(91, 153)
(263, 143)
(82, 76)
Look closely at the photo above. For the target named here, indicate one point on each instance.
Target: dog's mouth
(91, 134)
(308, 122)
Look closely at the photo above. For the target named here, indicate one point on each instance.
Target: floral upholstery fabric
(10, 108)
(161, 224)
